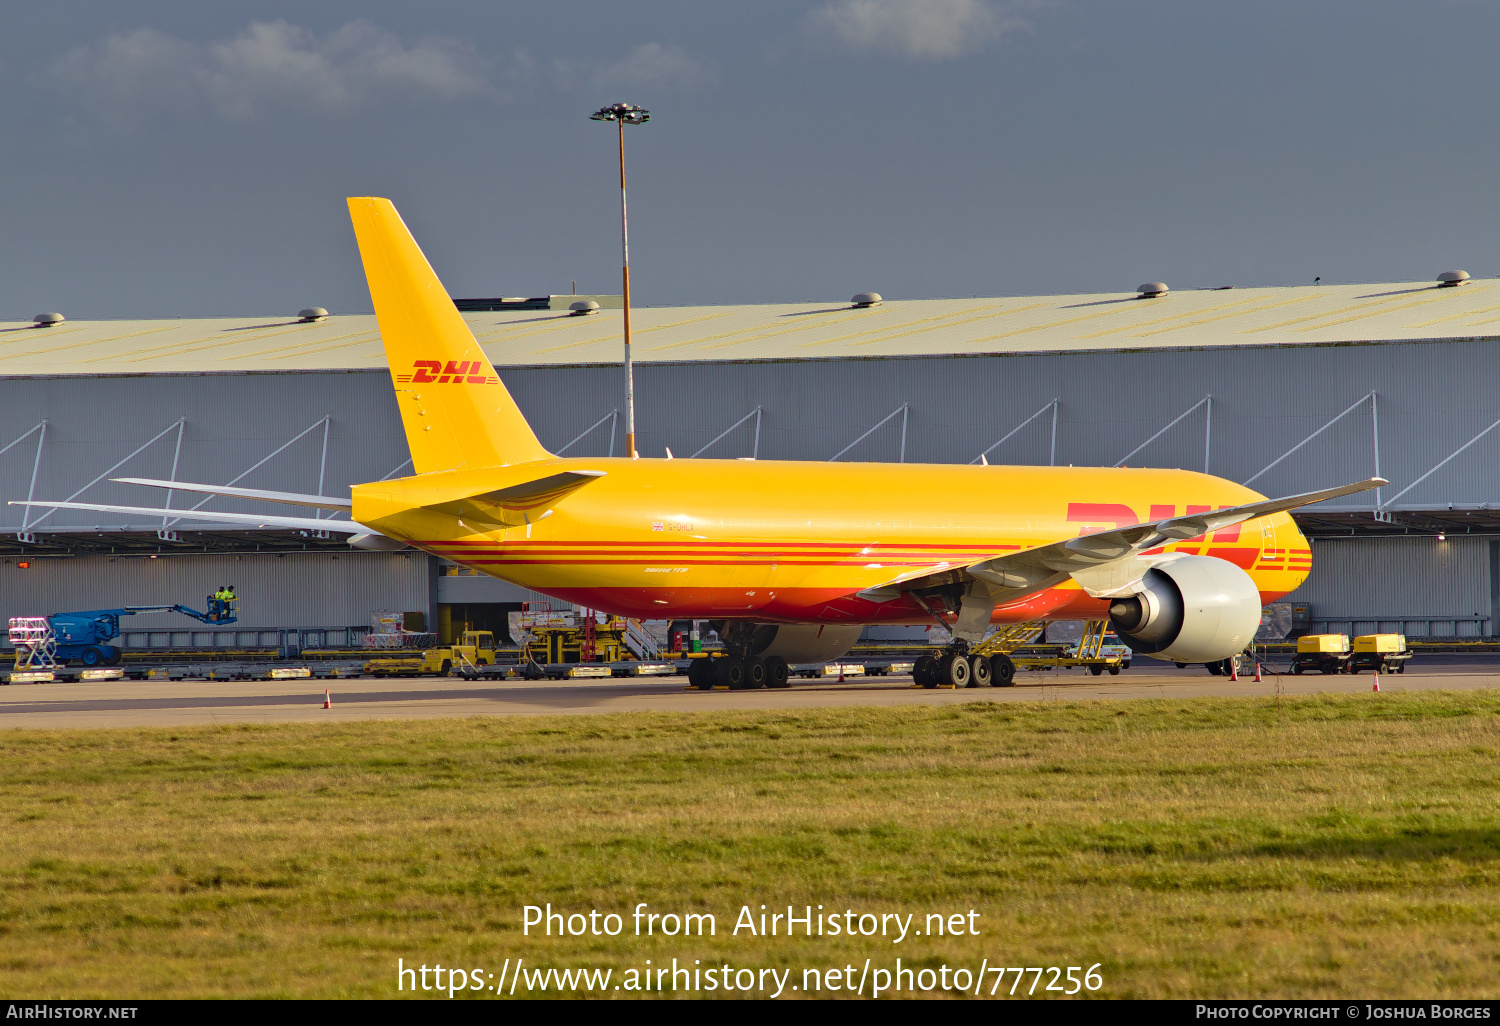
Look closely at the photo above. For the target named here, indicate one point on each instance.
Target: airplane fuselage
(791, 542)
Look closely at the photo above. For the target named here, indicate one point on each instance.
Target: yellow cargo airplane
(791, 559)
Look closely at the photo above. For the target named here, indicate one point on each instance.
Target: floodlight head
(625, 113)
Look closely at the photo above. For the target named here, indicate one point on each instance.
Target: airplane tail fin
(456, 411)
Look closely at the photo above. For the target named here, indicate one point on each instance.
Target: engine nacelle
(805, 643)
(1193, 609)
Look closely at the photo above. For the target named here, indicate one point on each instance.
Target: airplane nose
(1295, 548)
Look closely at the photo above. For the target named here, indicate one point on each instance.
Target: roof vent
(865, 300)
(312, 314)
(1152, 290)
(583, 307)
(46, 320)
(1448, 279)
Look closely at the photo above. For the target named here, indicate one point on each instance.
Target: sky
(177, 158)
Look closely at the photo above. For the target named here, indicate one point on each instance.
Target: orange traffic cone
(1376, 676)
(1234, 669)
(1257, 674)
(328, 699)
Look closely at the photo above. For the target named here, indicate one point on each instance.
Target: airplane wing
(248, 519)
(288, 498)
(1105, 563)
(517, 504)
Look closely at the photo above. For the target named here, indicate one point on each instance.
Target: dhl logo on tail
(473, 372)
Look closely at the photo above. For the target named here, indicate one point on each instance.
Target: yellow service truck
(476, 649)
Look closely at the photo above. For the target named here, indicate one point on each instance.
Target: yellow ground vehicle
(477, 648)
(1385, 652)
(1327, 653)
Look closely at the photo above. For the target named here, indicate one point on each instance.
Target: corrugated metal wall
(1432, 399)
(1384, 580)
(233, 421)
(295, 589)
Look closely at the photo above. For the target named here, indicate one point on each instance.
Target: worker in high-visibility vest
(230, 598)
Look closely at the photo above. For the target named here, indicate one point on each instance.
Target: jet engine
(1193, 609)
(803, 643)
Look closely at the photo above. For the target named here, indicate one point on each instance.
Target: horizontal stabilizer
(517, 504)
(287, 498)
(247, 519)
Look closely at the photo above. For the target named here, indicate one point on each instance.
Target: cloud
(918, 29)
(648, 66)
(652, 65)
(269, 64)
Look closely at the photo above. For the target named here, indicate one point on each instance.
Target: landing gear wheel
(1180, 666)
(730, 672)
(954, 670)
(979, 672)
(778, 673)
(924, 671)
(701, 674)
(755, 673)
(1214, 668)
(1002, 671)
(1097, 670)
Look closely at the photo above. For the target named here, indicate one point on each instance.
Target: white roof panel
(1321, 314)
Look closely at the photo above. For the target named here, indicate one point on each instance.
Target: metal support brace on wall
(1208, 430)
(322, 422)
(165, 531)
(1444, 461)
(755, 448)
(40, 430)
(1052, 452)
(397, 470)
(1371, 397)
(323, 466)
(613, 416)
(904, 411)
(176, 425)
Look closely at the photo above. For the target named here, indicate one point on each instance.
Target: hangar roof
(1282, 316)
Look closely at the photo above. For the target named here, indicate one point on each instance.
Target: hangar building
(1284, 389)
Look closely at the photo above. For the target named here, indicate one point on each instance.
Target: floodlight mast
(623, 114)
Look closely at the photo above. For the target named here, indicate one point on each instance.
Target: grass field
(1326, 846)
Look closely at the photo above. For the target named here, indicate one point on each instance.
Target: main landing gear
(739, 673)
(956, 668)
